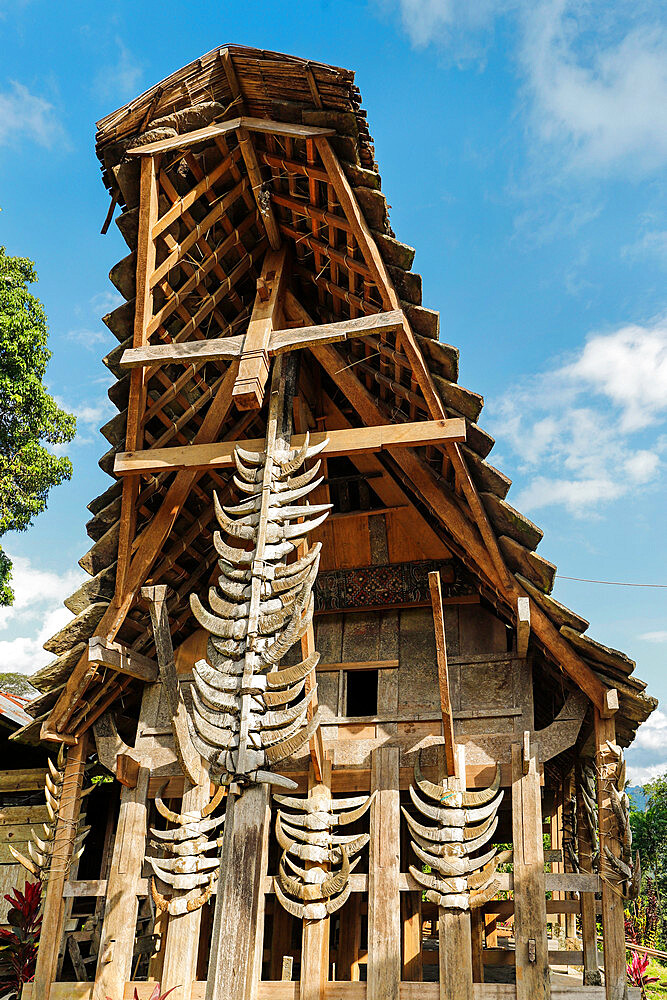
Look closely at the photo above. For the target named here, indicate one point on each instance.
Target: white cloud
(24, 115)
(119, 80)
(573, 427)
(88, 338)
(638, 775)
(652, 734)
(651, 243)
(36, 615)
(595, 75)
(660, 636)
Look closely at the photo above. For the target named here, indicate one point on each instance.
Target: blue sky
(522, 146)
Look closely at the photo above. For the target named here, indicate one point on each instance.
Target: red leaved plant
(19, 944)
(155, 995)
(637, 972)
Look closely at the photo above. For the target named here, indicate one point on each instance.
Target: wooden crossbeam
(356, 440)
(121, 658)
(248, 391)
(443, 674)
(211, 131)
(280, 341)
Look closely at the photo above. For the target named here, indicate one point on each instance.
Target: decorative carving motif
(378, 586)
(464, 823)
(194, 857)
(245, 716)
(42, 862)
(588, 797)
(311, 891)
(620, 871)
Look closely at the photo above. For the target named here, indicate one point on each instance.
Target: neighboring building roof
(228, 82)
(12, 710)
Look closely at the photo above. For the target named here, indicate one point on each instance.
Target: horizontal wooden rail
(355, 440)
(211, 131)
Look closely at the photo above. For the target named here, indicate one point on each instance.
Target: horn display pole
(315, 939)
(455, 934)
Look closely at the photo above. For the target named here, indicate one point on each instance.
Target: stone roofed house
(317, 649)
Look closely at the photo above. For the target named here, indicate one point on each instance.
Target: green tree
(30, 418)
(649, 832)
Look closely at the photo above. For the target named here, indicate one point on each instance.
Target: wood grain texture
(530, 918)
(384, 912)
(443, 674)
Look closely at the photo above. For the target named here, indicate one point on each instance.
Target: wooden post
(182, 943)
(477, 936)
(315, 937)
(592, 975)
(411, 913)
(443, 673)
(384, 910)
(613, 927)
(54, 904)
(281, 941)
(349, 942)
(455, 934)
(114, 965)
(238, 927)
(530, 911)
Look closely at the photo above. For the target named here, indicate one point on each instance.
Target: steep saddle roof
(259, 149)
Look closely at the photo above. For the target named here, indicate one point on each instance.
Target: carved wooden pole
(315, 937)
(54, 904)
(592, 975)
(530, 911)
(384, 911)
(455, 933)
(613, 925)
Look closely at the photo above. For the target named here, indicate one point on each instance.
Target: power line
(613, 583)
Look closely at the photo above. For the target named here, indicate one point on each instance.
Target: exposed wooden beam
(121, 658)
(447, 510)
(260, 194)
(443, 674)
(522, 625)
(248, 391)
(188, 139)
(356, 440)
(227, 348)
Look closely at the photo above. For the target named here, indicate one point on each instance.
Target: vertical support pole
(455, 933)
(592, 975)
(443, 673)
(238, 928)
(315, 935)
(54, 904)
(281, 941)
(120, 920)
(148, 214)
(477, 935)
(411, 913)
(530, 911)
(613, 927)
(384, 909)
(569, 790)
(349, 943)
(182, 943)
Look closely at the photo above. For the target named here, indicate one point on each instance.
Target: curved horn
(250, 457)
(272, 720)
(448, 834)
(273, 698)
(291, 745)
(220, 794)
(231, 554)
(169, 814)
(335, 904)
(484, 895)
(186, 882)
(296, 567)
(25, 862)
(336, 883)
(294, 459)
(189, 830)
(282, 678)
(484, 795)
(351, 817)
(439, 885)
(296, 909)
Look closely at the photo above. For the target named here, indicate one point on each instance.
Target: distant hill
(637, 798)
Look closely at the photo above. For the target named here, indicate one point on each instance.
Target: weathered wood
(359, 440)
(592, 975)
(384, 912)
(182, 942)
(522, 625)
(238, 926)
(54, 904)
(113, 752)
(280, 341)
(188, 139)
(613, 926)
(264, 207)
(120, 919)
(29, 779)
(248, 392)
(358, 665)
(443, 673)
(411, 915)
(532, 959)
(121, 658)
(188, 757)
(455, 935)
(315, 934)
(349, 941)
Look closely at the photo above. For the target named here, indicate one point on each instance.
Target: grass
(657, 991)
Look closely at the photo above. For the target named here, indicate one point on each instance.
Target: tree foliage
(30, 419)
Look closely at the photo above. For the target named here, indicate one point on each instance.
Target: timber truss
(252, 244)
